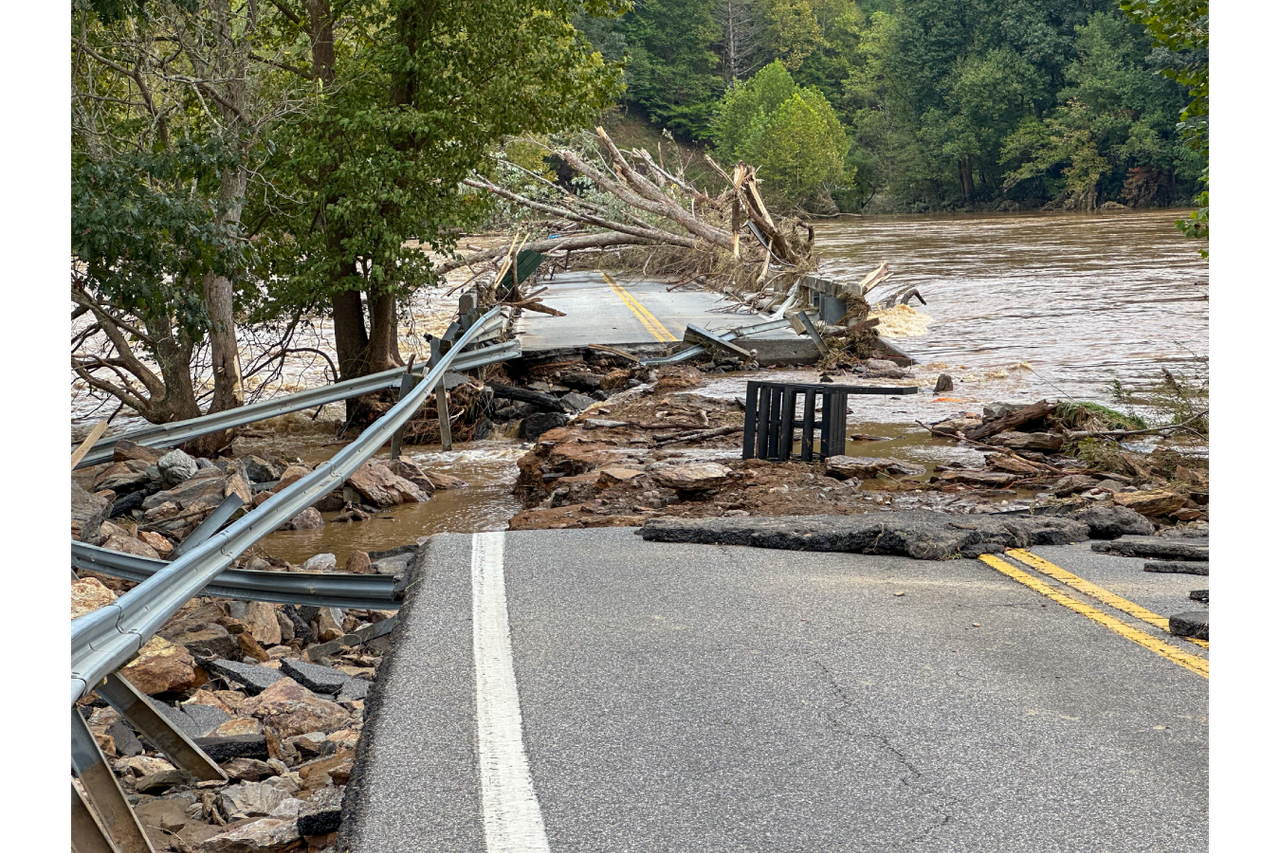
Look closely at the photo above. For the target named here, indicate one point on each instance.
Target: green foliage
(1113, 136)
(791, 135)
(671, 70)
(143, 240)
(1180, 28)
(423, 92)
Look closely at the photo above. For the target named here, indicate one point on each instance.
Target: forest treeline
(941, 103)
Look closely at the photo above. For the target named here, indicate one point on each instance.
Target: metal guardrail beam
(106, 639)
(171, 435)
(732, 334)
(308, 589)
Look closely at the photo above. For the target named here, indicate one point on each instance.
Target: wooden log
(1012, 420)
(546, 402)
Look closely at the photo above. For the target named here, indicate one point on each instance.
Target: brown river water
(1020, 306)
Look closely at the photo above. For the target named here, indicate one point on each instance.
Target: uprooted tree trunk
(662, 211)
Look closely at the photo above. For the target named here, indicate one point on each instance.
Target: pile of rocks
(275, 694)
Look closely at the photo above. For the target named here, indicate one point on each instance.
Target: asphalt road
(663, 697)
(634, 311)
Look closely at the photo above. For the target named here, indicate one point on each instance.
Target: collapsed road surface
(591, 691)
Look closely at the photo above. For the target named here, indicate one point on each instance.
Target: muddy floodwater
(1081, 300)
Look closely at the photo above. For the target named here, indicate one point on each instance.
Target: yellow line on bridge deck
(650, 322)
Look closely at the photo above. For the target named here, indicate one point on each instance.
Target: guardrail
(731, 334)
(106, 639)
(313, 589)
(173, 434)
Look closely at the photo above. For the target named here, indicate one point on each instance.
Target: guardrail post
(212, 523)
(119, 823)
(442, 403)
(87, 835)
(407, 384)
(155, 727)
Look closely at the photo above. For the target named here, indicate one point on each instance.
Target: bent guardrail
(173, 434)
(309, 589)
(106, 639)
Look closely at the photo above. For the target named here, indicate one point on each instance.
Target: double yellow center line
(1192, 662)
(650, 322)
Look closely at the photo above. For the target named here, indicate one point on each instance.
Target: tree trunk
(966, 179)
(219, 300)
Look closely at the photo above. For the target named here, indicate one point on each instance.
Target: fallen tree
(671, 227)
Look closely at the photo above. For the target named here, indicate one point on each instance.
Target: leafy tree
(1181, 30)
(1113, 137)
(671, 69)
(791, 135)
(149, 82)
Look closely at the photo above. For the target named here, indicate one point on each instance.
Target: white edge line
(512, 815)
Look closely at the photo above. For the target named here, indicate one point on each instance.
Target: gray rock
(535, 425)
(323, 812)
(249, 799)
(259, 836)
(944, 383)
(88, 511)
(254, 678)
(321, 563)
(127, 743)
(313, 676)
(582, 381)
(203, 464)
(208, 639)
(1194, 623)
(259, 470)
(920, 535)
(1071, 484)
(576, 401)
(248, 770)
(176, 467)
(312, 744)
(309, 519)
(158, 783)
(1044, 442)
(992, 411)
(123, 477)
(1112, 522)
(1177, 568)
(204, 487)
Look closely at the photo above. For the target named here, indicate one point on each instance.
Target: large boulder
(176, 467)
(693, 476)
(123, 477)
(161, 667)
(205, 487)
(267, 835)
(380, 487)
(249, 799)
(88, 511)
(1151, 502)
(87, 595)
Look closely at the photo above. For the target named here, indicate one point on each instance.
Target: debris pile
(147, 501)
(1038, 447)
